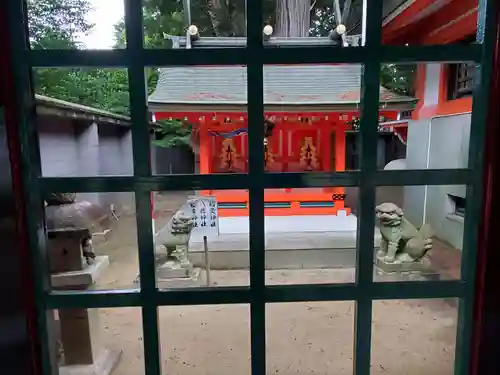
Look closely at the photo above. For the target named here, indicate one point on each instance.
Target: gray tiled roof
(283, 85)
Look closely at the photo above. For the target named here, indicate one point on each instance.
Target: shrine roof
(284, 85)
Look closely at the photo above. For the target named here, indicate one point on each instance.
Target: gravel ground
(409, 337)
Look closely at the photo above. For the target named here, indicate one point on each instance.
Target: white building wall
(441, 142)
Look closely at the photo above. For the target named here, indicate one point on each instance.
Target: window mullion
(255, 95)
(142, 168)
(370, 92)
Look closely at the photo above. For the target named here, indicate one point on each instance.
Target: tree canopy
(59, 24)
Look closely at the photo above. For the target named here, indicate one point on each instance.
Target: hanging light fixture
(193, 32)
(267, 31)
(337, 33)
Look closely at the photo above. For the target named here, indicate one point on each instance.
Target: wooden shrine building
(308, 109)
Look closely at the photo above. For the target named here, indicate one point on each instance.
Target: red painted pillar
(206, 151)
(286, 147)
(326, 146)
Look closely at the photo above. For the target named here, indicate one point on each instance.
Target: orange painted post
(326, 143)
(205, 150)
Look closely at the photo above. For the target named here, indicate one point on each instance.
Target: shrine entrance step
(284, 250)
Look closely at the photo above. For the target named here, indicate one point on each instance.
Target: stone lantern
(74, 266)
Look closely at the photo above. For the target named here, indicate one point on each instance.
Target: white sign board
(204, 210)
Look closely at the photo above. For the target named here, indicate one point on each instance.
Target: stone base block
(81, 278)
(104, 365)
(186, 280)
(181, 282)
(173, 270)
(423, 266)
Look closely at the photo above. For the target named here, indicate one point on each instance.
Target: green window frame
(254, 56)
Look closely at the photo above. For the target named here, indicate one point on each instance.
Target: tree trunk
(293, 18)
(227, 17)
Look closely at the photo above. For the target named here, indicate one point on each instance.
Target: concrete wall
(115, 159)
(173, 160)
(438, 143)
(58, 148)
(383, 194)
(71, 148)
(432, 78)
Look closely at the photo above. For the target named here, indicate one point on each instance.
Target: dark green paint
(240, 56)
(141, 141)
(244, 181)
(363, 291)
(369, 117)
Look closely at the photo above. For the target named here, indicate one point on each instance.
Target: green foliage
(160, 18)
(399, 78)
(171, 133)
(100, 88)
(57, 23)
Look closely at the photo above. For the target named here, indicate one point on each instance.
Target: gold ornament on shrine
(228, 155)
(308, 155)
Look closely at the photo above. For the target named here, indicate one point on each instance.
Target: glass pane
(200, 119)
(321, 20)
(424, 225)
(440, 114)
(92, 240)
(429, 23)
(414, 336)
(181, 220)
(310, 337)
(212, 340)
(164, 20)
(310, 236)
(82, 122)
(76, 24)
(309, 109)
(99, 341)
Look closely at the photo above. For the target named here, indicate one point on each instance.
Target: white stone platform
(285, 224)
(291, 242)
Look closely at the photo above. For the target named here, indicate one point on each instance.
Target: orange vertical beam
(205, 150)
(326, 144)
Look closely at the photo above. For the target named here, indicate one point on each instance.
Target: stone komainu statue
(401, 241)
(176, 236)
